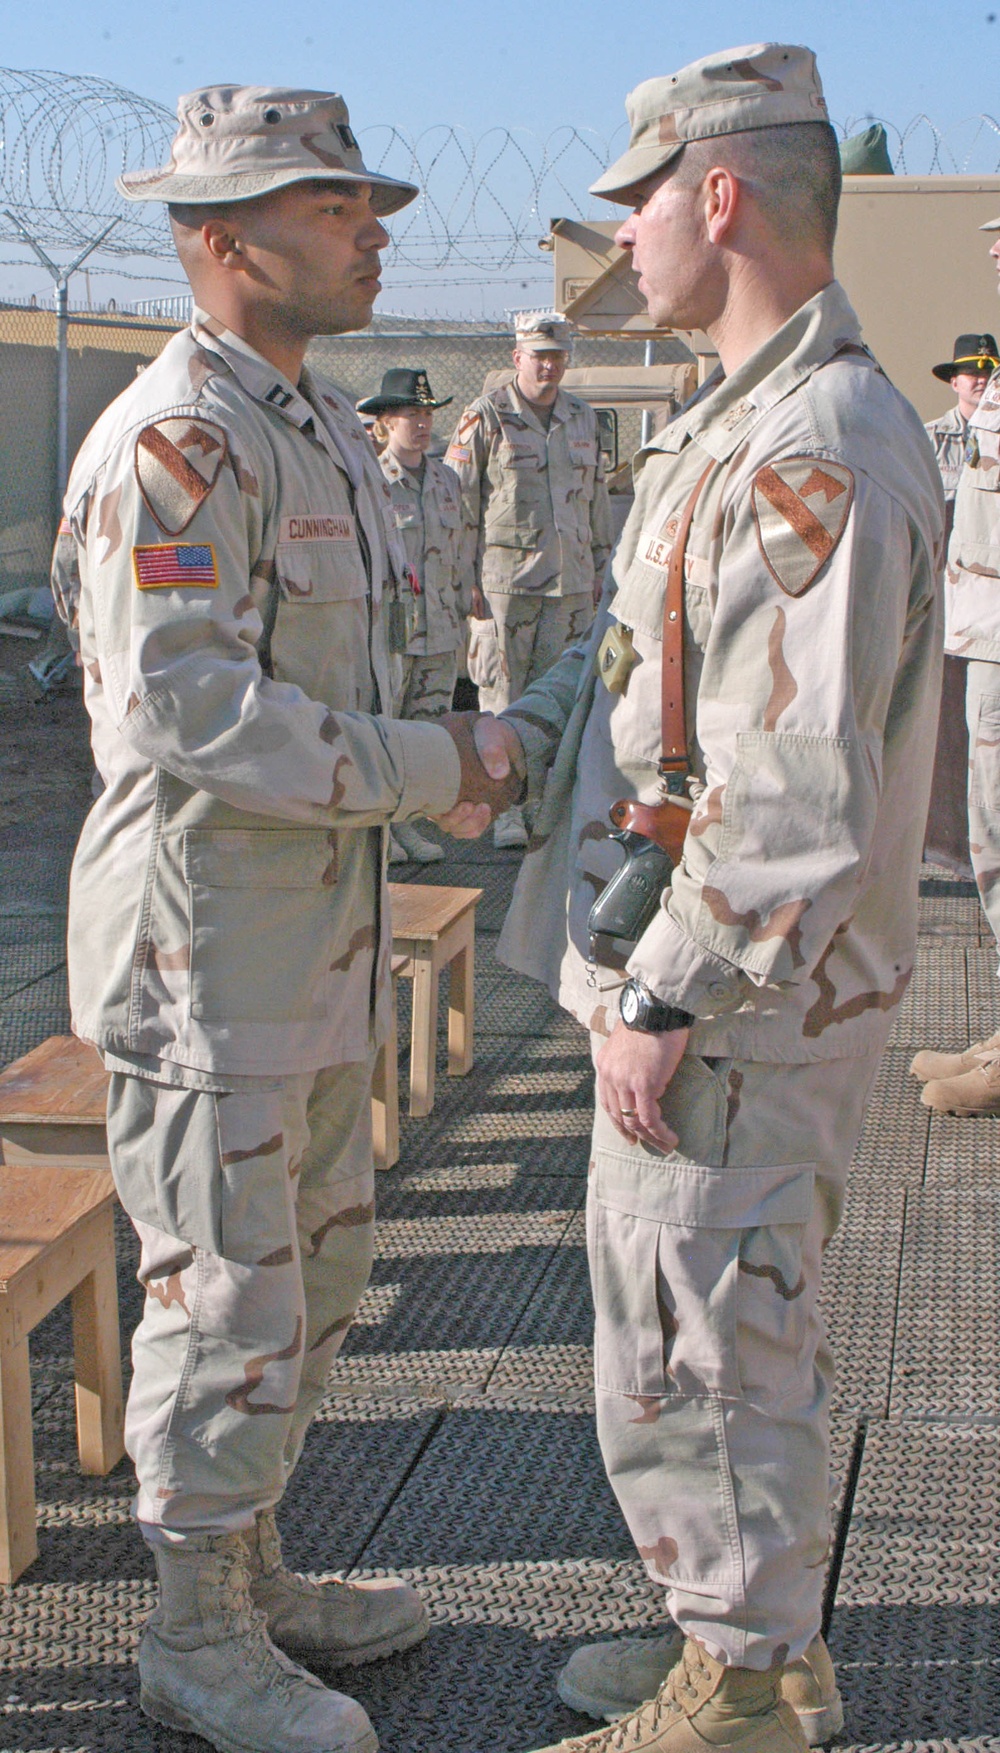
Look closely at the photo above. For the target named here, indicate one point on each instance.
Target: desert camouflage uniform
(972, 631)
(948, 435)
(537, 527)
(812, 652)
(428, 515)
(229, 934)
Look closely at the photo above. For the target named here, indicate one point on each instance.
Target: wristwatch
(640, 1010)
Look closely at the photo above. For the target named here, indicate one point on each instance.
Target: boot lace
(248, 1624)
(660, 1712)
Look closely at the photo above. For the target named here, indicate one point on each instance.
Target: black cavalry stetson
(401, 389)
(973, 353)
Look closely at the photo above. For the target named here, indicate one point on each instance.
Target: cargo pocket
(485, 668)
(984, 785)
(261, 926)
(685, 1259)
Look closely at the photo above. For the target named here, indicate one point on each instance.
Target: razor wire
(485, 200)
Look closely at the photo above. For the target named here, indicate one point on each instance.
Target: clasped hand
(500, 757)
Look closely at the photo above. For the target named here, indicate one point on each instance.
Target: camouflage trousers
(255, 1214)
(426, 685)
(982, 711)
(712, 1371)
(532, 633)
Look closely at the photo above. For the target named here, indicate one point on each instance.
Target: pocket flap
(691, 1196)
(260, 858)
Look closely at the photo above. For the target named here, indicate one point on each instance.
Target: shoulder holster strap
(673, 729)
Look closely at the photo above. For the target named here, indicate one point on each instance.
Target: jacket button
(718, 990)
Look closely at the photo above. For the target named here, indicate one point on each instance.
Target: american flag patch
(166, 564)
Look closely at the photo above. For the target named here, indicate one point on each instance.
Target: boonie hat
(542, 331)
(972, 353)
(766, 85)
(238, 141)
(402, 389)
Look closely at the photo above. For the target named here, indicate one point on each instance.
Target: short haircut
(191, 216)
(795, 170)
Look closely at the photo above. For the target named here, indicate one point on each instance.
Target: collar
(561, 409)
(255, 374)
(310, 404)
(727, 409)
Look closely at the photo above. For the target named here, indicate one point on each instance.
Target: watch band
(653, 1016)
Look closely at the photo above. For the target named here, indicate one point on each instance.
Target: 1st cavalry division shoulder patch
(171, 565)
(800, 507)
(177, 463)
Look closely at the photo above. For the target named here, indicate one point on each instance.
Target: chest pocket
(321, 569)
(983, 454)
(519, 505)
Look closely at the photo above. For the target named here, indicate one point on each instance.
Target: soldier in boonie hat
(766, 85)
(239, 141)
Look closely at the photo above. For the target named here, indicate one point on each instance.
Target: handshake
(494, 771)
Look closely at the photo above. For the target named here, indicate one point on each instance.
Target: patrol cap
(542, 331)
(235, 142)
(766, 85)
(991, 225)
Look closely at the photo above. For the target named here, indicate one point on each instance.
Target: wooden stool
(52, 1106)
(385, 1086)
(57, 1239)
(434, 927)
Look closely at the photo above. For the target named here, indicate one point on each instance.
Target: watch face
(629, 1005)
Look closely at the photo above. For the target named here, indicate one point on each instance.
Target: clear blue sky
(519, 64)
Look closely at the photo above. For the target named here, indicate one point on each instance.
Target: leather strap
(673, 728)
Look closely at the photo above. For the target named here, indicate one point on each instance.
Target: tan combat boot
(609, 1679)
(416, 845)
(973, 1094)
(702, 1704)
(346, 1623)
(509, 829)
(926, 1064)
(208, 1667)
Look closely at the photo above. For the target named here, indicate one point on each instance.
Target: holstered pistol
(652, 835)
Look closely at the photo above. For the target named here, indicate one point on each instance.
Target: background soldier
(537, 524)
(229, 932)
(427, 508)
(969, 1083)
(947, 840)
(785, 550)
(968, 372)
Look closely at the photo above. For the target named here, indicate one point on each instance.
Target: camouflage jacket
(812, 659)
(534, 504)
(972, 580)
(428, 517)
(948, 435)
(228, 912)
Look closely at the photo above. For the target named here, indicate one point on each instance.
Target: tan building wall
(103, 359)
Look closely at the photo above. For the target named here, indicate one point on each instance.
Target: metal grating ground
(456, 1441)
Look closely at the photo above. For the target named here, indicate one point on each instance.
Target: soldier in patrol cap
(229, 932)
(537, 525)
(784, 557)
(427, 508)
(968, 1083)
(968, 371)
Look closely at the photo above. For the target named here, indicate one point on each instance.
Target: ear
(221, 245)
(722, 201)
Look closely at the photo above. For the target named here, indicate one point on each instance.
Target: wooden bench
(52, 1106)
(57, 1239)
(52, 1103)
(434, 927)
(385, 1086)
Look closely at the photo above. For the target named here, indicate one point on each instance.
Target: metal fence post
(61, 276)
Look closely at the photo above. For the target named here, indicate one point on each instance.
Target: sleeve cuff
(432, 772)
(679, 971)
